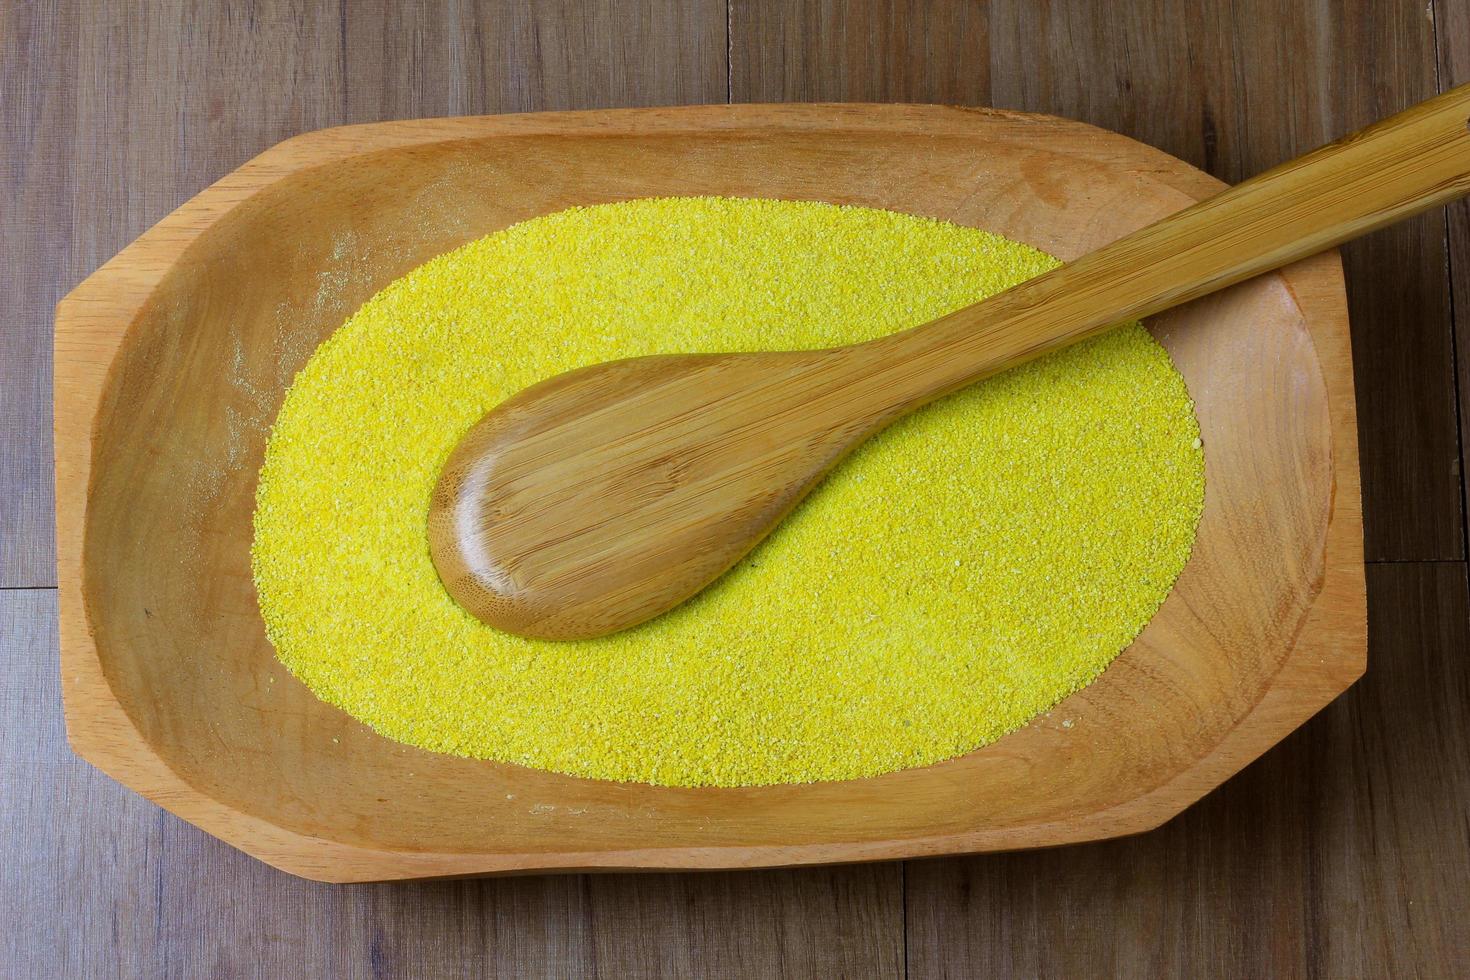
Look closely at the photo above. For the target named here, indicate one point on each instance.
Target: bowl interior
(197, 381)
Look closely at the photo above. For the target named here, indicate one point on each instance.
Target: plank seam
(1414, 561)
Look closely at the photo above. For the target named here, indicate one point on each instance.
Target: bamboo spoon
(603, 497)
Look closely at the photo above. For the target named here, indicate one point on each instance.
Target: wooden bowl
(172, 359)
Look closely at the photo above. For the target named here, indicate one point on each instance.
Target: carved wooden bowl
(172, 360)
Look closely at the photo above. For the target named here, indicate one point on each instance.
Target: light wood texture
(596, 500)
(170, 370)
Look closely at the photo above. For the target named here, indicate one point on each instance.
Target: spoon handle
(1404, 164)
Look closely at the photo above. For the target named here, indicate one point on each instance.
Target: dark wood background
(1345, 851)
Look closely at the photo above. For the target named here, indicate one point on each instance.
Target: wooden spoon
(600, 498)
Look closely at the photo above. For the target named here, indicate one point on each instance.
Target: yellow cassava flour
(960, 573)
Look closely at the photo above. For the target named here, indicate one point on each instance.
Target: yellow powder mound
(959, 574)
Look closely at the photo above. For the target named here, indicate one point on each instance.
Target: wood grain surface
(35, 232)
(1341, 853)
(97, 882)
(1452, 19)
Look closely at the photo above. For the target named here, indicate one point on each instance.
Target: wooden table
(1344, 852)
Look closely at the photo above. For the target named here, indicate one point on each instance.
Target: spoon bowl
(565, 513)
